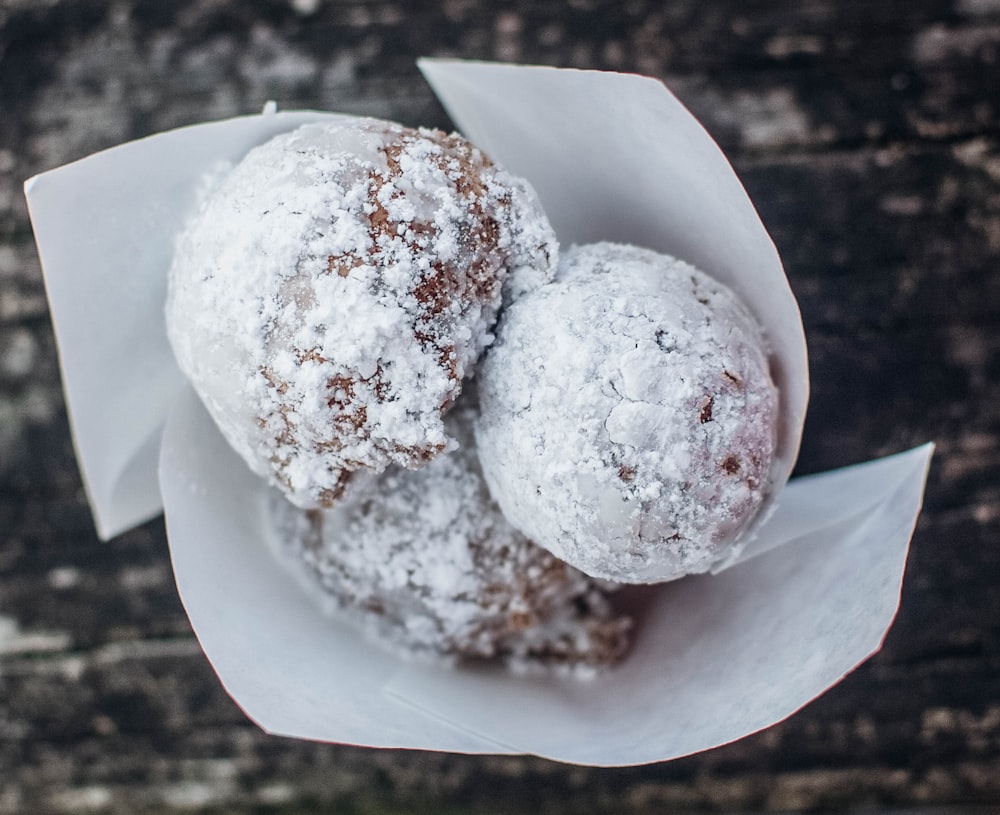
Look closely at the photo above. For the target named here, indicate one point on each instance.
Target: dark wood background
(868, 134)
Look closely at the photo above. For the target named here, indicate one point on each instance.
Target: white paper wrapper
(105, 229)
(613, 157)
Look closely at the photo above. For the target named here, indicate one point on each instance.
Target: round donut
(336, 287)
(628, 418)
(425, 559)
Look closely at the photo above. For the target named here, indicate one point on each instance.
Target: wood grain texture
(868, 135)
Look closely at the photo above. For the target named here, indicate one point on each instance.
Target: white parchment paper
(613, 157)
(717, 657)
(105, 229)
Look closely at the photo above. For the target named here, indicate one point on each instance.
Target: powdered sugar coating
(335, 289)
(428, 562)
(628, 416)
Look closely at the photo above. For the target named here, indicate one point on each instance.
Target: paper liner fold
(105, 227)
(292, 669)
(616, 157)
(719, 657)
(613, 157)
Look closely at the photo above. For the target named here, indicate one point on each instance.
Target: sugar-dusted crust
(628, 416)
(335, 289)
(427, 561)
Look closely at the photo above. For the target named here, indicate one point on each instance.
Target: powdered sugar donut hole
(426, 561)
(628, 418)
(336, 287)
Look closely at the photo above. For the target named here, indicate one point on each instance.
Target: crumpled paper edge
(104, 243)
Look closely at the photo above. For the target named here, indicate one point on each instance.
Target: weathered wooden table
(868, 135)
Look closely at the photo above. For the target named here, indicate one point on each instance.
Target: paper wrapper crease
(612, 157)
